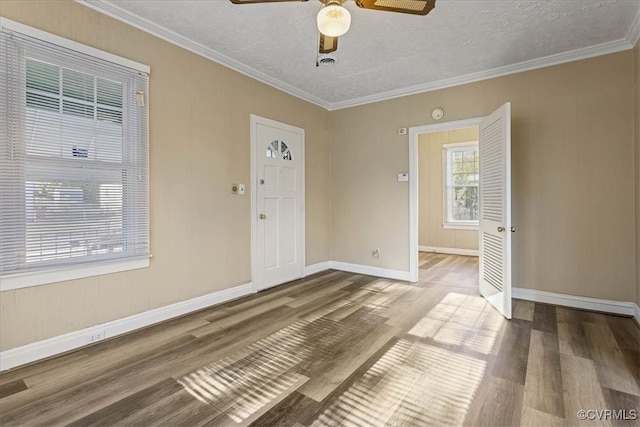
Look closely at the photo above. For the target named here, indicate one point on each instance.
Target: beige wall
(572, 139)
(431, 188)
(199, 146)
(636, 82)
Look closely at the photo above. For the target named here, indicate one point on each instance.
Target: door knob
(263, 216)
(262, 181)
(500, 229)
(513, 229)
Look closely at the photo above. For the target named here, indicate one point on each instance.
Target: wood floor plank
(80, 400)
(497, 403)
(411, 383)
(154, 335)
(523, 309)
(294, 407)
(571, 335)
(116, 412)
(512, 359)
(338, 301)
(626, 407)
(113, 354)
(383, 297)
(241, 304)
(534, 418)
(319, 293)
(228, 321)
(179, 408)
(306, 290)
(425, 300)
(240, 336)
(627, 333)
(54, 364)
(592, 317)
(394, 299)
(609, 360)
(632, 357)
(8, 389)
(544, 318)
(359, 280)
(581, 390)
(543, 386)
(346, 359)
(464, 322)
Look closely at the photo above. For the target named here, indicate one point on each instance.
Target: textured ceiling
(386, 54)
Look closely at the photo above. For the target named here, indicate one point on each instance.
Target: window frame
(447, 221)
(84, 268)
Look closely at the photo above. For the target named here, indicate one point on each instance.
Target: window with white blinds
(73, 161)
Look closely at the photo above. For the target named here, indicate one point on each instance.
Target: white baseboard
(359, 269)
(371, 271)
(317, 268)
(72, 340)
(451, 251)
(586, 303)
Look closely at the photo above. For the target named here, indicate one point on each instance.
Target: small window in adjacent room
(73, 160)
(461, 178)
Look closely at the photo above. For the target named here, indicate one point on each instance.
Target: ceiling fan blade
(415, 7)
(259, 1)
(328, 44)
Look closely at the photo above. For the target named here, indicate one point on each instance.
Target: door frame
(414, 133)
(255, 120)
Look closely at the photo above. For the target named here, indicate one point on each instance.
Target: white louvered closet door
(495, 209)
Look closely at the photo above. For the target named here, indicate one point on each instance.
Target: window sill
(463, 226)
(25, 280)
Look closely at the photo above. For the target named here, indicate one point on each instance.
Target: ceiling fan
(334, 20)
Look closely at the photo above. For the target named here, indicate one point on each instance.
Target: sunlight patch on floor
(241, 384)
(462, 320)
(411, 384)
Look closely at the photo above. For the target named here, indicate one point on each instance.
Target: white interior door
(279, 202)
(495, 209)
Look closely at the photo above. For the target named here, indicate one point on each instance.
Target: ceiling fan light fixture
(333, 20)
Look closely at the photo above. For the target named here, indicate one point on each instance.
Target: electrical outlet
(376, 253)
(96, 336)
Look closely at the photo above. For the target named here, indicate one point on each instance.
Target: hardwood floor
(345, 349)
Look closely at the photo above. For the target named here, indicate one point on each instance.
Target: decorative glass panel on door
(286, 153)
(272, 150)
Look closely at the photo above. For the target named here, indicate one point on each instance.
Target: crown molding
(108, 8)
(633, 35)
(560, 58)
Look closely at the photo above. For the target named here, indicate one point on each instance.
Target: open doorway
(448, 206)
(494, 202)
(435, 223)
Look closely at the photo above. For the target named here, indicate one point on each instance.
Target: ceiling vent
(325, 60)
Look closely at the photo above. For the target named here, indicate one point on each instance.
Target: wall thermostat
(403, 177)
